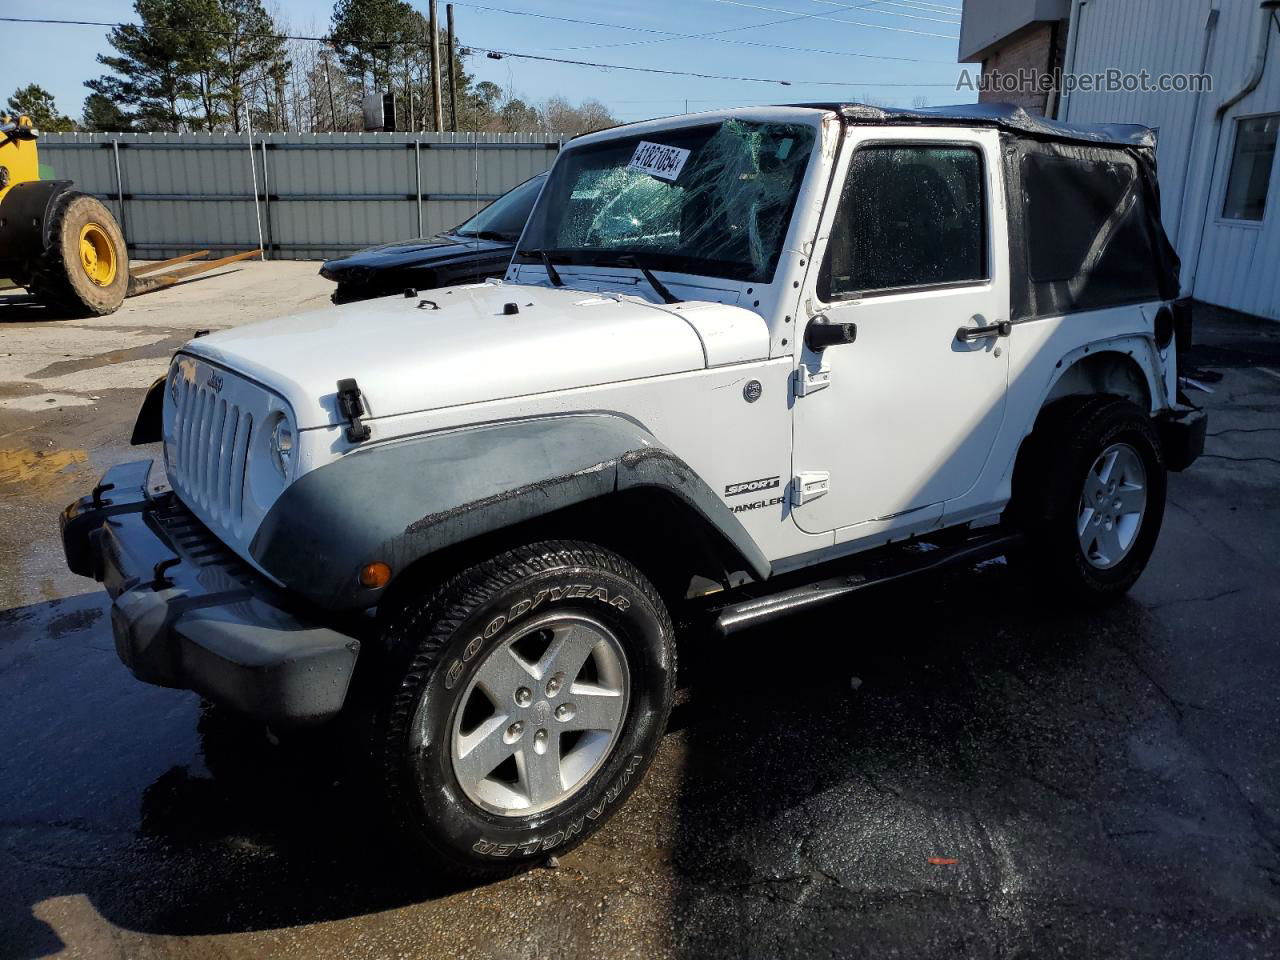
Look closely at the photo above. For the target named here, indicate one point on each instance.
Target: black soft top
(1002, 116)
(1084, 206)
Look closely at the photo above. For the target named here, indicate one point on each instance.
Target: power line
(890, 13)
(852, 23)
(905, 4)
(705, 76)
(669, 35)
(701, 36)
(921, 5)
(501, 54)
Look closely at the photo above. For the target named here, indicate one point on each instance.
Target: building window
(1251, 167)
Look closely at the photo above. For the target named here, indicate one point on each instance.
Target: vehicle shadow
(19, 307)
(292, 816)
(887, 778)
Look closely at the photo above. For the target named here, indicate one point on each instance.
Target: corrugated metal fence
(312, 196)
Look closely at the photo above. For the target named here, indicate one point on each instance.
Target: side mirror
(820, 334)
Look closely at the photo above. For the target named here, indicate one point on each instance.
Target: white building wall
(1232, 263)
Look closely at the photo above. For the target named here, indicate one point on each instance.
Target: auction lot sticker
(658, 159)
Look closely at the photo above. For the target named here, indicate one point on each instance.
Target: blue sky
(881, 50)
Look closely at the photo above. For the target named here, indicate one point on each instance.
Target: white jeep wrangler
(742, 363)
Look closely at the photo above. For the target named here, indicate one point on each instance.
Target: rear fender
(401, 501)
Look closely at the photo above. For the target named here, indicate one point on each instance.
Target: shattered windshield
(714, 200)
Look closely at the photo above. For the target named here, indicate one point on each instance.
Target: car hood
(460, 346)
(419, 251)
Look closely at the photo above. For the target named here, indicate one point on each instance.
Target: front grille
(211, 440)
(196, 544)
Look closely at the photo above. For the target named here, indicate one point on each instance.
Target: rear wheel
(523, 701)
(85, 270)
(1090, 498)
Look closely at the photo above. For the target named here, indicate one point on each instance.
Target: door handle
(1001, 328)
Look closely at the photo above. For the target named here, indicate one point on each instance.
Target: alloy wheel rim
(97, 255)
(540, 716)
(1112, 505)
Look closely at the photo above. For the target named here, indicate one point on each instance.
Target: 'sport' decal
(751, 486)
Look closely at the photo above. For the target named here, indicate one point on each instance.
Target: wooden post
(437, 111)
(333, 110)
(453, 86)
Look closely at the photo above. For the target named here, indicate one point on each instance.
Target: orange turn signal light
(375, 576)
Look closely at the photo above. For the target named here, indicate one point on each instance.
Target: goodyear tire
(522, 702)
(85, 270)
(1089, 495)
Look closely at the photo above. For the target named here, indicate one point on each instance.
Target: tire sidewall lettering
(492, 848)
(618, 600)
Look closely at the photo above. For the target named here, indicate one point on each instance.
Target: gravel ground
(942, 770)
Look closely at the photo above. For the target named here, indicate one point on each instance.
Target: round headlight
(282, 444)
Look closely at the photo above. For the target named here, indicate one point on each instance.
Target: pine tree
(101, 115)
(249, 59)
(157, 62)
(370, 37)
(38, 104)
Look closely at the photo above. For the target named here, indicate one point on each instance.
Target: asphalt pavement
(947, 769)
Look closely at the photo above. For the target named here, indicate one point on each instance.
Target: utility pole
(453, 87)
(437, 111)
(333, 110)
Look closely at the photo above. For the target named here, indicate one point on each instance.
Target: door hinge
(806, 382)
(809, 485)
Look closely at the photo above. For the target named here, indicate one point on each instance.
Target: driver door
(902, 419)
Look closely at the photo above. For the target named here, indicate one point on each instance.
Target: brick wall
(1038, 47)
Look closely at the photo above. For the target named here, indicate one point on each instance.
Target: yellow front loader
(64, 246)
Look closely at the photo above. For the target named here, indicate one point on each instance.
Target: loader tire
(85, 270)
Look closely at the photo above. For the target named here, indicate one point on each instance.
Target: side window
(909, 216)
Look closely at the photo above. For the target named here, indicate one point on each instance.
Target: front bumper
(188, 613)
(1182, 432)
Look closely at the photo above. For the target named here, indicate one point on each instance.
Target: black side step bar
(784, 602)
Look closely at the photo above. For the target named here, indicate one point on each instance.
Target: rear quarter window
(1088, 240)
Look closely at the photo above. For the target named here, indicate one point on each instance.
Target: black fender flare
(25, 217)
(400, 501)
(148, 427)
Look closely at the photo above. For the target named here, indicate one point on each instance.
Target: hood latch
(351, 406)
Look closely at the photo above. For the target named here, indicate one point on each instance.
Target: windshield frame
(743, 271)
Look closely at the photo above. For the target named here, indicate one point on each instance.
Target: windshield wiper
(629, 260)
(546, 262)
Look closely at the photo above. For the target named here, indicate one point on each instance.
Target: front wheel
(1090, 499)
(524, 700)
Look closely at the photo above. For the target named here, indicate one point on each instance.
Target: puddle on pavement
(159, 348)
(24, 466)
